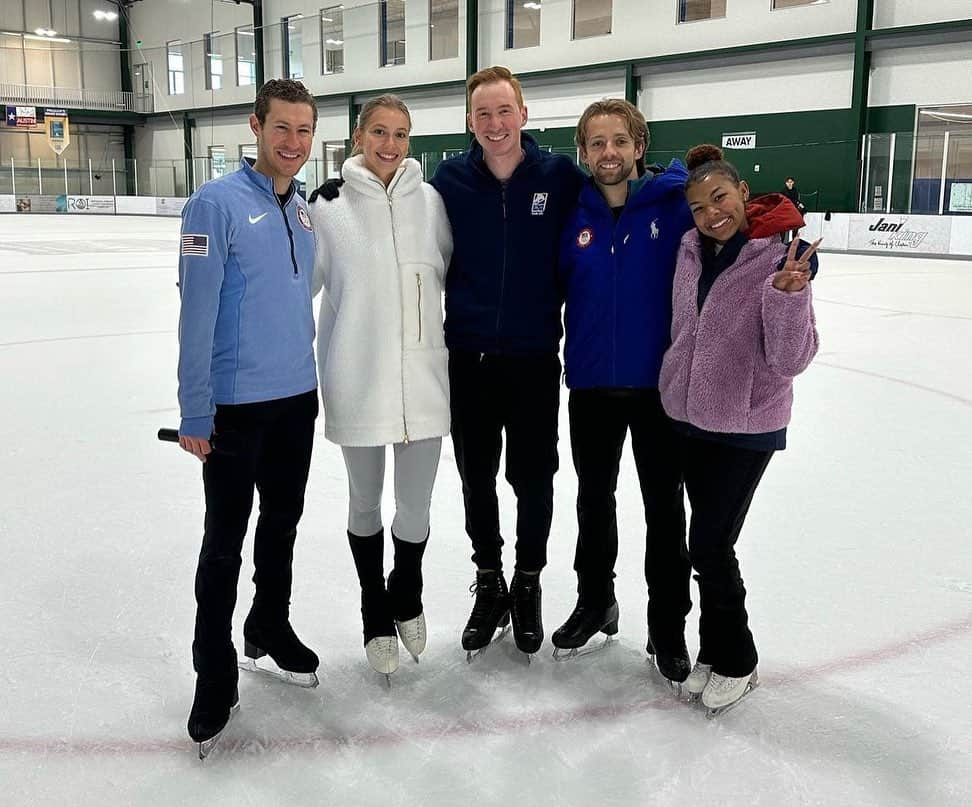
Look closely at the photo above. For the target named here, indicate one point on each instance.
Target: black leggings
(720, 481)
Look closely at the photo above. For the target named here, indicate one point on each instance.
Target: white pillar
(114, 187)
(40, 179)
(90, 179)
(941, 193)
(887, 207)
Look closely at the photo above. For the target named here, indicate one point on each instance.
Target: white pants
(416, 465)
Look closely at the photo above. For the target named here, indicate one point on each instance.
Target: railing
(67, 97)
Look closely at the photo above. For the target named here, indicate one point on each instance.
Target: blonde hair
(490, 75)
(628, 112)
(387, 101)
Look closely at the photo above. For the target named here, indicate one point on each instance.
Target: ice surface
(856, 556)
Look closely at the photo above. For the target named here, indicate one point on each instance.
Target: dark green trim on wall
(472, 36)
(123, 51)
(813, 147)
(188, 124)
(631, 84)
(891, 118)
(128, 143)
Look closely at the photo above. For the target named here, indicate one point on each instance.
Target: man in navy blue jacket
(617, 263)
(507, 203)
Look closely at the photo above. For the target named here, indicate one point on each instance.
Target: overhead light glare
(46, 38)
(105, 15)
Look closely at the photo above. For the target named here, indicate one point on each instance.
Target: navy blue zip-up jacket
(502, 294)
(617, 280)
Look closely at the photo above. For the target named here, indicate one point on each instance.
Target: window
(333, 159)
(591, 18)
(392, 27)
(177, 76)
(217, 161)
(692, 10)
(794, 3)
(332, 39)
(522, 23)
(443, 29)
(213, 61)
(292, 46)
(245, 56)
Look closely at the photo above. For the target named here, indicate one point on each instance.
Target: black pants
(266, 446)
(599, 423)
(521, 395)
(720, 481)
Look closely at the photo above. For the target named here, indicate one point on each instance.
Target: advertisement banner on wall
(916, 235)
(37, 204)
(8, 203)
(22, 116)
(90, 204)
(169, 206)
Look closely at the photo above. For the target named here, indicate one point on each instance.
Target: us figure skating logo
(539, 206)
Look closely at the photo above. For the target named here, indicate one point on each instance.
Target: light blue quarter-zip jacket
(246, 326)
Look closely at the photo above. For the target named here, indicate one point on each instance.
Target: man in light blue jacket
(248, 396)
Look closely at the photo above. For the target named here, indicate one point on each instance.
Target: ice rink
(857, 557)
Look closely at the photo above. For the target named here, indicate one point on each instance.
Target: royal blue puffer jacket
(502, 294)
(617, 280)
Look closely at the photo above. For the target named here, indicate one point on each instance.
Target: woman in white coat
(382, 250)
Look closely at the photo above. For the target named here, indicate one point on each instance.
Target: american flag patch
(195, 245)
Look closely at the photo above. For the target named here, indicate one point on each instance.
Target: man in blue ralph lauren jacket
(618, 256)
(507, 202)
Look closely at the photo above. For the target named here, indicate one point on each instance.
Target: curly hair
(706, 159)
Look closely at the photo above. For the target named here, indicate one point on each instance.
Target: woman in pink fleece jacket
(742, 328)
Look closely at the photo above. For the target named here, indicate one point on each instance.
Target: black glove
(327, 191)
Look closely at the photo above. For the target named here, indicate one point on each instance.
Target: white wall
(161, 21)
(647, 28)
(892, 13)
(552, 104)
(822, 82)
(939, 74)
(361, 47)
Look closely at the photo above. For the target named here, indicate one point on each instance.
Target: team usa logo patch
(539, 206)
(584, 237)
(195, 245)
(304, 219)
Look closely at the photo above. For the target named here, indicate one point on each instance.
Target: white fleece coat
(381, 262)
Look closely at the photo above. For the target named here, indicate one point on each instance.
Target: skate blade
(566, 654)
(471, 654)
(206, 746)
(716, 711)
(303, 680)
(675, 686)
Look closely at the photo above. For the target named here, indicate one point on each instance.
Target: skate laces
(724, 683)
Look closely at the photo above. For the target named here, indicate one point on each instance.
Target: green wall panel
(816, 148)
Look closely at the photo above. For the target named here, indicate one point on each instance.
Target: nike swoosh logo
(255, 219)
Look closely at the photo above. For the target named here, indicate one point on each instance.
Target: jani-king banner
(890, 232)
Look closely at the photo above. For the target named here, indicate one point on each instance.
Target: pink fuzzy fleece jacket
(730, 367)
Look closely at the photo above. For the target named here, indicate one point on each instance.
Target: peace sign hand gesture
(795, 272)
